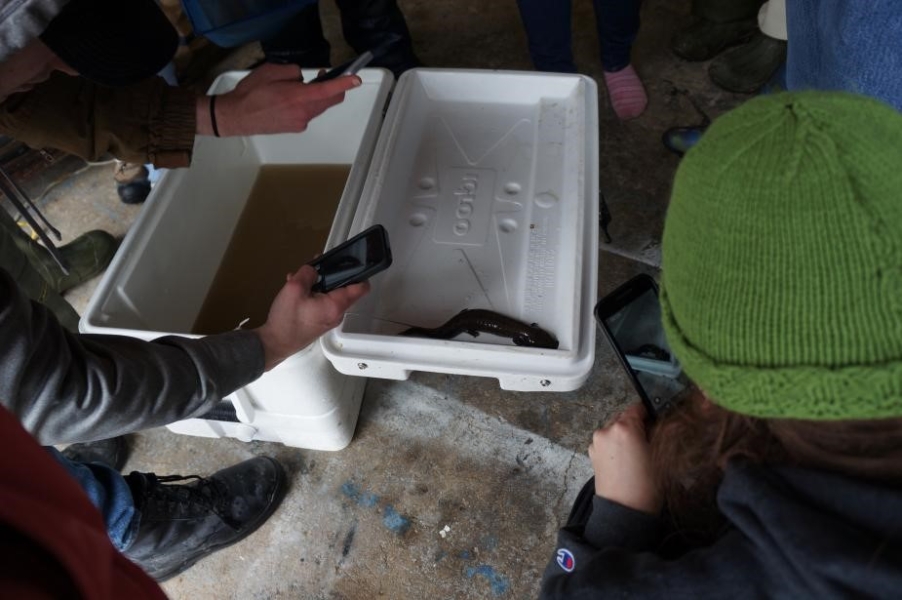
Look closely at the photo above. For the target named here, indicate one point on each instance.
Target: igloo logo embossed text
(465, 194)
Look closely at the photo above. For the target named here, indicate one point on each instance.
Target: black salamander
(487, 321)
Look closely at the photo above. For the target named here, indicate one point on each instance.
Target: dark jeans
(548, 28)
(364, 23)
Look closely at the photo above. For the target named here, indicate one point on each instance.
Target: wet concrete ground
(452, 488)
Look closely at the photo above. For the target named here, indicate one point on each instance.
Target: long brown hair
(693, 443)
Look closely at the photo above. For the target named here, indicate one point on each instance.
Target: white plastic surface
(487, 182)
(159, 279)
(304, 402)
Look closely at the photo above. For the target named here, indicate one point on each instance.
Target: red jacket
(53, 542)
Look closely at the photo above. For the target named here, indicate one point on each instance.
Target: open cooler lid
(487, 182)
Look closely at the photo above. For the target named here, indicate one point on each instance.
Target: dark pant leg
(548, 31)
(300, 42)
(368, 23)
(618, 24)
(726, 11)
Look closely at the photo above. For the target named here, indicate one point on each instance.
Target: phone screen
(353, 261)
(635, 329)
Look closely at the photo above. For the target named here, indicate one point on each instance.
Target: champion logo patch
(566, 560)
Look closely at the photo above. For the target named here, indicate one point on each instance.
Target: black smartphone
(355, 64)
(353, 261)
(349, 68)
(630, 318)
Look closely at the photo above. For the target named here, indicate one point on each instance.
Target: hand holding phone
(269, 100)
(630, 318)
(621, 460)
(297, 318)
(353, 261)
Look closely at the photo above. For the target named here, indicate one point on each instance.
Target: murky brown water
(285, 223)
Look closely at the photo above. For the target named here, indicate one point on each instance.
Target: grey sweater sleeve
(67, 388)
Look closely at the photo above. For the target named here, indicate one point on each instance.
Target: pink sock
(626, 92)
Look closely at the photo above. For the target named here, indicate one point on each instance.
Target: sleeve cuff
(241, 355)
(172, 136)
(613, 525)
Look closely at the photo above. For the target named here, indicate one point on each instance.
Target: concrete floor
(499, 469)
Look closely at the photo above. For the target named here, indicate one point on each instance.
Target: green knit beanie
(782, 259)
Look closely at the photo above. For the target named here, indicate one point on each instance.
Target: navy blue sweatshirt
(794, 533)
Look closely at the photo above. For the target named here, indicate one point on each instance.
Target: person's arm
(729, 568)
(608, 550)
(66, 387)
(624, 511)
(271, 99)
(152, 122)
(609, 526)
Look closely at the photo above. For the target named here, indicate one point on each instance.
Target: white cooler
(487, 182)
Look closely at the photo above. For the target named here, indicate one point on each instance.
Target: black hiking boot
(182, 523)
(112, 452)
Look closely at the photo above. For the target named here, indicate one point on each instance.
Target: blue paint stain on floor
(350, 489)
(391, 518)
(498, 583)
(394, 521)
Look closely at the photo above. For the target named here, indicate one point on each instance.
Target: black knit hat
(112, 42)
